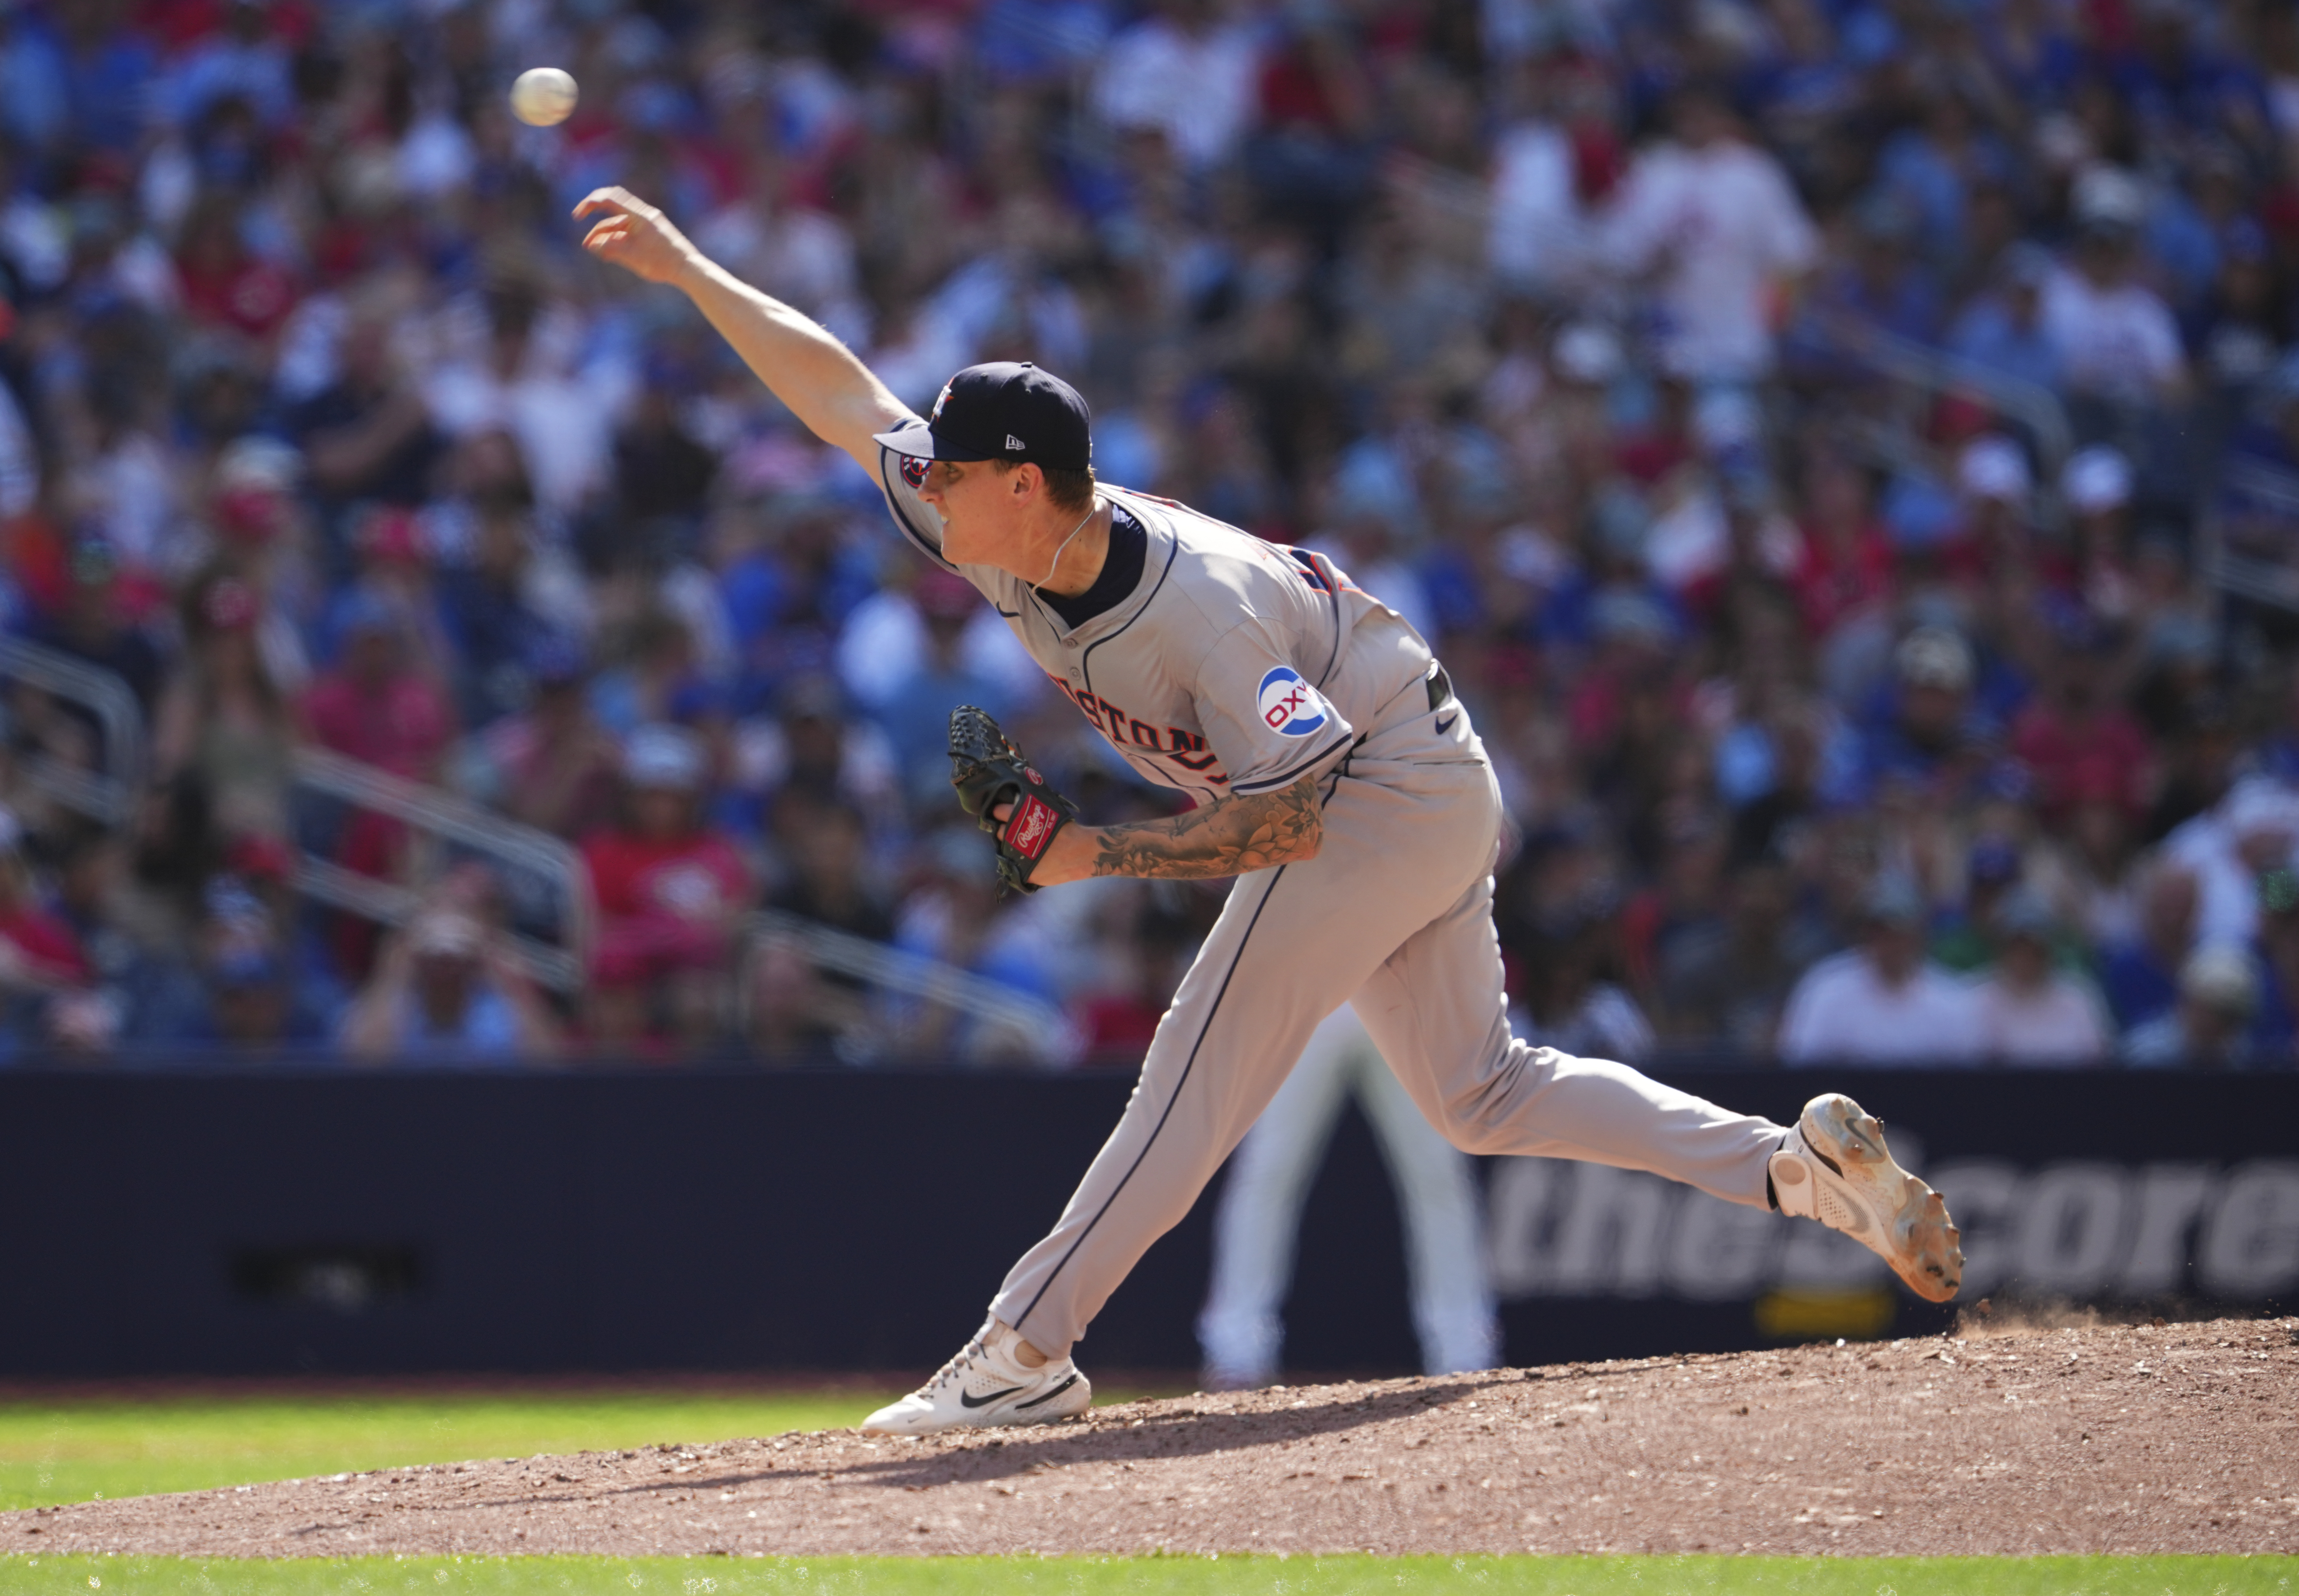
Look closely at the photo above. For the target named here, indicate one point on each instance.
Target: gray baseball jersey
(1240, 666)
(1236, 665)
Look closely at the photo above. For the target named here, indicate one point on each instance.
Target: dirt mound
(2089, 1439)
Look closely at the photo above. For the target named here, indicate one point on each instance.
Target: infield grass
(75, 1450)
(1157, 1576)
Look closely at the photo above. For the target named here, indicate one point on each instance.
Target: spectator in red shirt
(41, 964)
(374, 705)
(1119, 1023)
(2078, 741)
(669, 891)
(36, 950)
(223, 283)
(553, 765)
(1848, 555)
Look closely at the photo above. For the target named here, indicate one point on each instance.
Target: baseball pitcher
(1336, 777)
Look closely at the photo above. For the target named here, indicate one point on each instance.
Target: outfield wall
(163, 1222)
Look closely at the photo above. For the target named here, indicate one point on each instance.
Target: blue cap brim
(916, 439)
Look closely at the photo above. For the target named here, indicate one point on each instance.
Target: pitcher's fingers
(612, 230)
(599, 199)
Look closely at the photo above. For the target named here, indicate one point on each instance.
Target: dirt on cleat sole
(1924, 1254)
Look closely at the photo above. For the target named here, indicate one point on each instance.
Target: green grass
(1157, 1576)
(75, 1450)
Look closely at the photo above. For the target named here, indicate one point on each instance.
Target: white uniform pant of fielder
(1269, 1178)
(1395, 915)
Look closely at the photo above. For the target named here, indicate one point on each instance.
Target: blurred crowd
(1803, 428)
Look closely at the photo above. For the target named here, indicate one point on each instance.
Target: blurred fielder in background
(1259, 1220)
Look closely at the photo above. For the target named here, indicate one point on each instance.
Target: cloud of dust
(2028, 1316)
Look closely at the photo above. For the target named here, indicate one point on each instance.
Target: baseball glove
(987, 771)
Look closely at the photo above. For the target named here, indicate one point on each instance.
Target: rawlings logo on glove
(990, 772)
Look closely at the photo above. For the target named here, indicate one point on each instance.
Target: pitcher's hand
(635, 235)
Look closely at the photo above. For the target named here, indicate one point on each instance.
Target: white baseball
(542, 97)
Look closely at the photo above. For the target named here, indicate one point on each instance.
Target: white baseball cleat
(1834, 1168)
(986, 1384)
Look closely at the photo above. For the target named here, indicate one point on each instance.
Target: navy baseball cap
(1002, 409)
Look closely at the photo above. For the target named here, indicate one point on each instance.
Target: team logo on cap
(1289, 706)
(940, 400)
(914, 471)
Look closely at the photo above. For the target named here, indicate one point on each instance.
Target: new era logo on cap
(984, 411)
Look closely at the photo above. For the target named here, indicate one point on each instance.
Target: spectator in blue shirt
(916, 717)
(2140, 977)
(448, 991)
(2208, 1025)
(2002, 328)
(1927, 730)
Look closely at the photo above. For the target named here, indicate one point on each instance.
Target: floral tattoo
(1227, 837)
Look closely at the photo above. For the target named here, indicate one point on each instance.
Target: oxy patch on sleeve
(1289, 705)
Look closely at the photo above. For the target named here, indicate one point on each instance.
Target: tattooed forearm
(1227, 837)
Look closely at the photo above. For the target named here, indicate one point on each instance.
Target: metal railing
(2035, 408)
(1896, 441)
(109, 794)
(1037, 1031)
(2248, 536)
(428, 810)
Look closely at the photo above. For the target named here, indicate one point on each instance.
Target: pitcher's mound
(2092, 1440)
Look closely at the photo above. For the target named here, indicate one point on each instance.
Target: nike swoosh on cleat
(983, 1401)
(1446, 725)
(1040, 1400)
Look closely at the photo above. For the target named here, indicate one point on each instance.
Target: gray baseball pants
(1394, 916)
